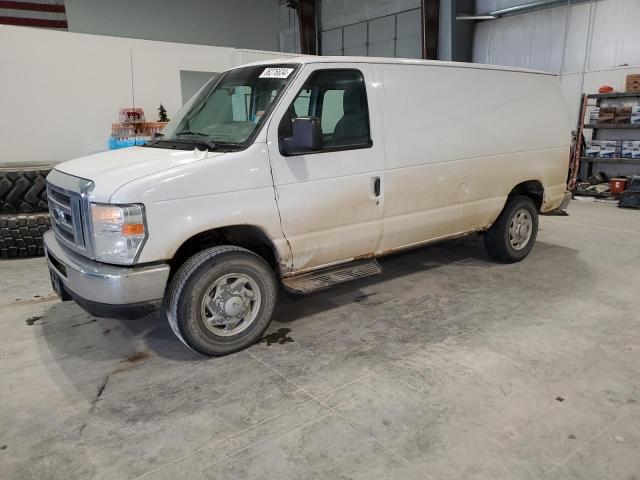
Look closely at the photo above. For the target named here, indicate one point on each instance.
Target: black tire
(23, 191)
(192, 281)
(21, 235)
(497, 238)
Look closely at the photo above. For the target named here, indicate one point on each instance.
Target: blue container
(115, 142)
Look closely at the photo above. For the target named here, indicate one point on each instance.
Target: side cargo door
(331, 200)
(423, 184)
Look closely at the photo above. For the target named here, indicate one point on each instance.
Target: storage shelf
(611, 160)
(592, 193)
(621, 126)
(614, 95)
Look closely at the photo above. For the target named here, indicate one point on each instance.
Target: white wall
(600, 37)
(60, 92)
(236, 23)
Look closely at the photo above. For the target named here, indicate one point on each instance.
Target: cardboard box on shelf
(606, 118)
(593, 149)
(606, 115)
(624, 111)
(622, 119)
(610, 148)
(635, 110)
(591, 115)
(628, 146)
(609, 153)
(633, 83)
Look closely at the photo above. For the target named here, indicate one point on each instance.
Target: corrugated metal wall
(376, 28)
(589, 44)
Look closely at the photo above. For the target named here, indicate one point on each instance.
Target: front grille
(68, 207)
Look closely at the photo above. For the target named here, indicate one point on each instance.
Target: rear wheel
(221, 300)
(511, 237)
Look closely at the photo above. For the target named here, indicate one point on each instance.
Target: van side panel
(459, 139)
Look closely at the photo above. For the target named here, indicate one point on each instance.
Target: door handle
(376, 186)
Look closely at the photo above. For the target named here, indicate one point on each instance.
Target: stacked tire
(24, 212)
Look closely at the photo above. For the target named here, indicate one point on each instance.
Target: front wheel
(513, 234)
(221, 300)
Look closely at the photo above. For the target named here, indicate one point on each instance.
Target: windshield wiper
(210, 145)
(191, 132)
(195, 141)
(206, 143)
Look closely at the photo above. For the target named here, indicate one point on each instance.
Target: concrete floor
(447, 366)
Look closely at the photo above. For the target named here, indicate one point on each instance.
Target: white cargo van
(303, 172)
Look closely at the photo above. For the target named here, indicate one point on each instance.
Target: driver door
(330, 200)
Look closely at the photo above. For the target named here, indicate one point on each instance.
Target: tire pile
(630, 198)
(24, 212)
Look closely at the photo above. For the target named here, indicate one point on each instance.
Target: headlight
(118, 232)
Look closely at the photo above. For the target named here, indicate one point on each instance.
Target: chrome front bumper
(91, 282)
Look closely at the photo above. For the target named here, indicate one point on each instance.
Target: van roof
(393, 61)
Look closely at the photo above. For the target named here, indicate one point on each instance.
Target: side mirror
(307, 136)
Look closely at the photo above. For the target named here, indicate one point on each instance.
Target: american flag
(34, 13)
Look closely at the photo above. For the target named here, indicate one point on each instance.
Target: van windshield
(229, 108)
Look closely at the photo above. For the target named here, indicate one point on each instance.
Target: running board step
(328, 277)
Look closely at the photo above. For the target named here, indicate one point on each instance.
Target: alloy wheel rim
(230, 304)
(520, 229)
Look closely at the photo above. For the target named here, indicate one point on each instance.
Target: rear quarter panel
(461, 138)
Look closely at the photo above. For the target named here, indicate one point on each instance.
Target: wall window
(338, 99)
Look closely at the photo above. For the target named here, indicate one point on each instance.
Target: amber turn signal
(133, 229)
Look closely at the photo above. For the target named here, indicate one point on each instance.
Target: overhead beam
(430, 25)
(526, 7)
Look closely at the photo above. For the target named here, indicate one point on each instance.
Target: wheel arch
(251, 237)
(530, 188)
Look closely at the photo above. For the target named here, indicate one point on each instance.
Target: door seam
(275, 198)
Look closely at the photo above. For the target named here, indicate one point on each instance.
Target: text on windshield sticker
(272, 72)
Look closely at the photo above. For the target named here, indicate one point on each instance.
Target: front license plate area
(57, 286)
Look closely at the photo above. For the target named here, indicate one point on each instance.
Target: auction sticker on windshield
(273, 72)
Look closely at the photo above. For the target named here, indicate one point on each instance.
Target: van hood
(111, 170)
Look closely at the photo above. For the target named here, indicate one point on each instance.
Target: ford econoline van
(303, 172)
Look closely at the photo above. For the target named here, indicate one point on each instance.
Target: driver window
(301, 103)
(332, 110)
(338, 98)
